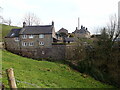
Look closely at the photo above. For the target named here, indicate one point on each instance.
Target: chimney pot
(81, 26)
(52, 23)
(24, 24)
(76, 28)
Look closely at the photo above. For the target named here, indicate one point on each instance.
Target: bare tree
(113, 28)
(1, 17)
(31, 18)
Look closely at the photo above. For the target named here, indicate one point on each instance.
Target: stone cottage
(61, 33)
(33, 41)
(81, 33)
(63, 30)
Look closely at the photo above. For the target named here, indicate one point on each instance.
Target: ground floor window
(24, 43)
(41, 43)
(31, 44)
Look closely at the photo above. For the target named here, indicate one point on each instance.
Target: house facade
(81, 33)
(37, 36)
(33, 41)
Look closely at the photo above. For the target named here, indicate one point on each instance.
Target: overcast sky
(92, 13)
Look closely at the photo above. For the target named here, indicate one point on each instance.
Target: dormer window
(12, 34)
(24, 36)
(31, 36)
(41, 36)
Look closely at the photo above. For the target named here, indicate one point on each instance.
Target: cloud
(63, 12)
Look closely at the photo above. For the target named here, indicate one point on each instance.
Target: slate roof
(13, 33)
(46, 29)
(81, 31)
(71, 39)
(63, 30)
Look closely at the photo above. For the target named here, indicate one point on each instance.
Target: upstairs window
(31, 36)
(31, 44)
(41, 36)
(41, 43)
(24, 43)
(16, 39)
(24, 36)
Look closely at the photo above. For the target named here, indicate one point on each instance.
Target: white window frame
(41, 43)
(31, 36)
(41, 35)
(31, 43)
(24, 43)
(24, 36)
(16, 39)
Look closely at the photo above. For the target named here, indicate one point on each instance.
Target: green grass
(5, 30)
(44, 74)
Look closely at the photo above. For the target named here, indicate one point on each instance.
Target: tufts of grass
(31, 73)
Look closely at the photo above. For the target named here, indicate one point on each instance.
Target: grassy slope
(5, 30)
(45, 74)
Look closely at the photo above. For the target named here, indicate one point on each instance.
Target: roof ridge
(39, 26)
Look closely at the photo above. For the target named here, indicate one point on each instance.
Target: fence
(12, 81)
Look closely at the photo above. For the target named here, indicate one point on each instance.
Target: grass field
(5, 29)
(31, 73)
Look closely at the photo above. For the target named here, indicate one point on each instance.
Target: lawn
(31, 73)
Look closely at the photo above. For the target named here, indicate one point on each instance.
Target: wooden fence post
(11, 79)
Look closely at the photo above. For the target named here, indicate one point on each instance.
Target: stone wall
(56, 52)
(12, 45)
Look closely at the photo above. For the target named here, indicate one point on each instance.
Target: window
(24, 36)
(16, 39)
(41, 36)
(30, 36)
(24, 44)
(31, 44)
(12, 34)
(41, 43)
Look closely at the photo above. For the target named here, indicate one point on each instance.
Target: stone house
(81, 33)
(63, 30)
(32, 41)
(31, 37)
(60, 34)
(37, 36)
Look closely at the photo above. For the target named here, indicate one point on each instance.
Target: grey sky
(93, 13)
